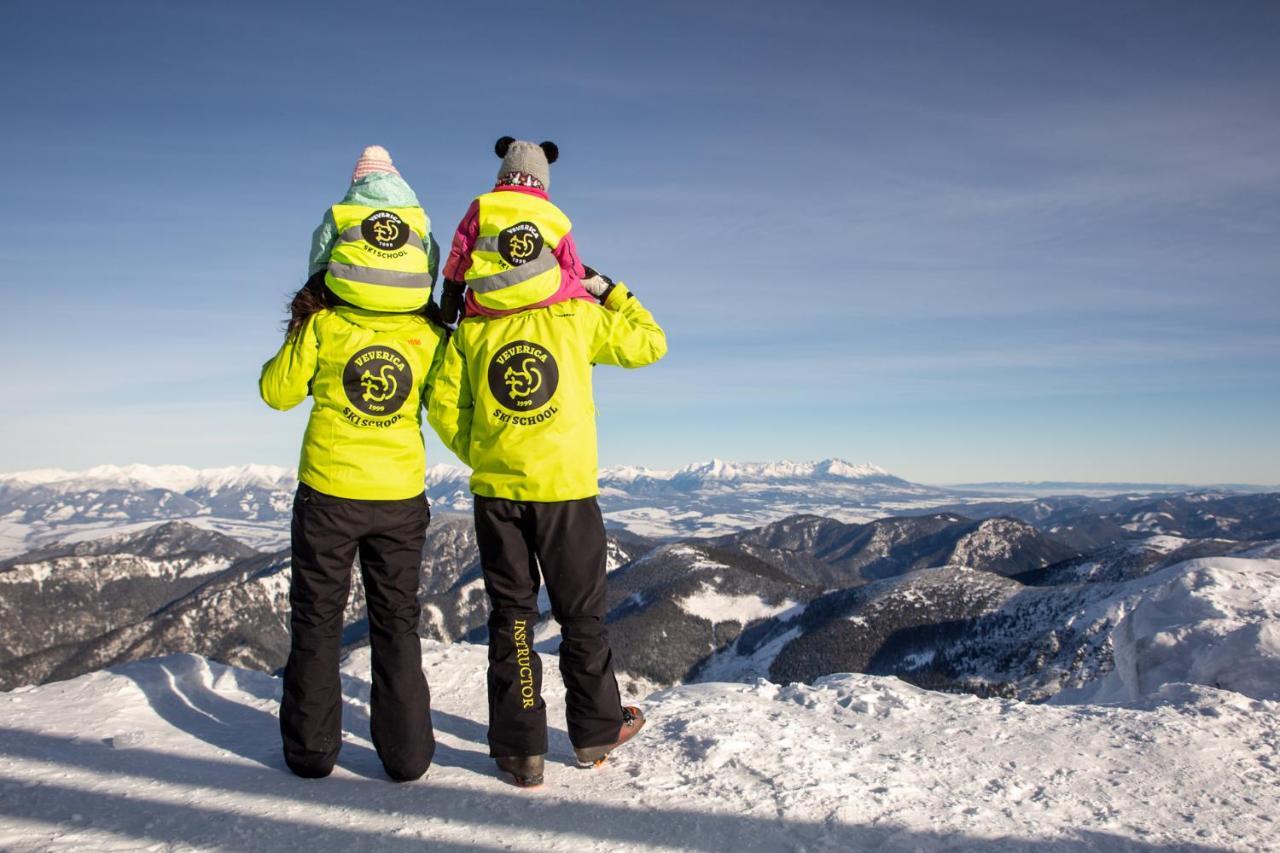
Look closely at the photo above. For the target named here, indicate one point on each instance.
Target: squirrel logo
(520, 243)
(380, 388)
(377, 380)
(522, 246)
(523, 376)
(386, 231)
(525, 381)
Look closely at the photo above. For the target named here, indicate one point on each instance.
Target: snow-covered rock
(1213, 621)
(181, 753)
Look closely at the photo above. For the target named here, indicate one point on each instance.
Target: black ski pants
(562, 542)
(328, 532)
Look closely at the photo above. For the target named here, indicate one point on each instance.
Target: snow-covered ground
(180, 753)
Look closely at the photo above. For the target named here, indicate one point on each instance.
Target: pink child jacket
(464, 240)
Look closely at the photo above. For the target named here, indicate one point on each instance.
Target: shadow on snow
(252, 734)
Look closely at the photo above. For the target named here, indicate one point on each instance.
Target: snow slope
(1213, 621)
(180, 752)
(1208, 621)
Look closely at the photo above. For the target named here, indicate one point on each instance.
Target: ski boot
(527, 769)
(594, 756)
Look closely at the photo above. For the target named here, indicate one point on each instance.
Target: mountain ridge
(185, 478)
(703, 498)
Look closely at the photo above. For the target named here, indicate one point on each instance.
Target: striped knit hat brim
(372, 160)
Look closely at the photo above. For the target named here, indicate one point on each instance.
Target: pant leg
(517, 714)
(324, 533)
(391, 563)
(572, 551)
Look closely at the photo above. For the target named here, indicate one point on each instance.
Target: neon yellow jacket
(512, 397)
(370, 375)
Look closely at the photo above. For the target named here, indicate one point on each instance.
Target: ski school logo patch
(377, 381)
(520, 243)
(382, 229)
(523, 376)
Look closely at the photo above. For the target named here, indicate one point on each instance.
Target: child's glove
(451, 302)
(597, 285)
(432, 313)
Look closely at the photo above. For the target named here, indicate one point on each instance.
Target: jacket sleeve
(286, 379)
(451, 408)
(567, 256)
(464, 240)
(433, 258)
(627, 335)
(322, 240)
(437, 359)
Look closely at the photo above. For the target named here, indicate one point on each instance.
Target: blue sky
(964, 241)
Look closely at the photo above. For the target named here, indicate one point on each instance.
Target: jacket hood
(381, 189)
(378, 321)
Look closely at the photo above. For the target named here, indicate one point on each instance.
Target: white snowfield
(175, 478)
(714, 606)
(181, 753)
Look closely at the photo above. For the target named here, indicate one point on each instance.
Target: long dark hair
(311, 298)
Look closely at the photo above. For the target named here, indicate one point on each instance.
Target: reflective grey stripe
(486, 244)
(515, 275)
(353, 235)
(370, 275)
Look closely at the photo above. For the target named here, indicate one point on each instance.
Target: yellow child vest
(379, 261)
(513, 263)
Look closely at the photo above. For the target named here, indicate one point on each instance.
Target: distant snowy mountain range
(173, 478)
(782, 570)
(990, 604)
(181, 478)
(252, 502)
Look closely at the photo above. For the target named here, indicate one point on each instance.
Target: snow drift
(182, 752)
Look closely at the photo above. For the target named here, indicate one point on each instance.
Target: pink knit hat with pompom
(373, 159)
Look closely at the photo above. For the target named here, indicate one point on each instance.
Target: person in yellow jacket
(513, 400)
(360, 346)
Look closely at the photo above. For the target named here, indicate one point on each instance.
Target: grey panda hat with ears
(526, 159)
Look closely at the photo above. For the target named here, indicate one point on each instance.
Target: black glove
(451, 302)
(432, 312)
